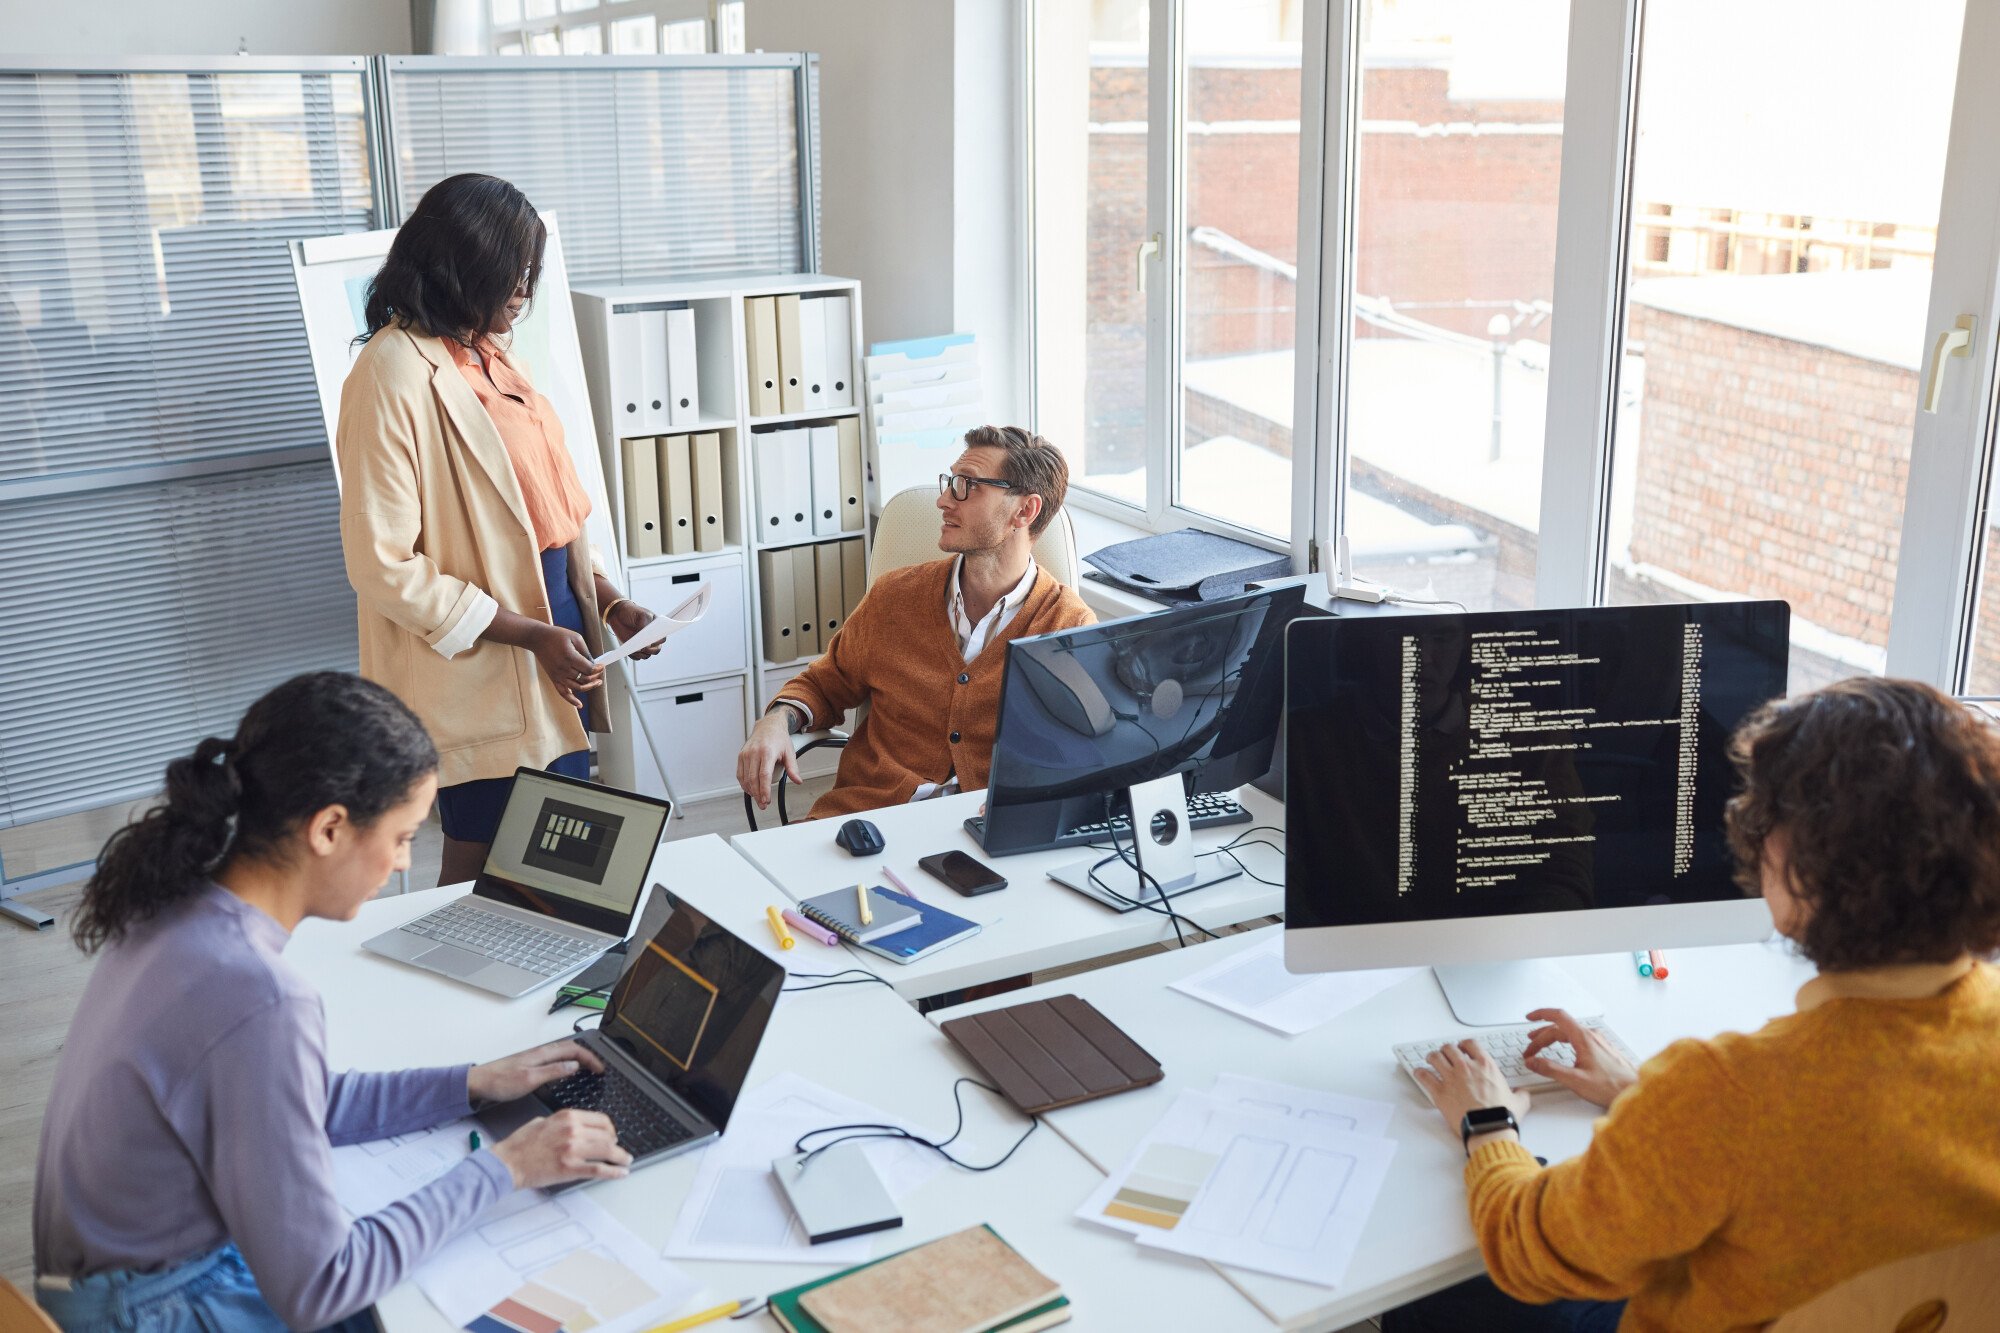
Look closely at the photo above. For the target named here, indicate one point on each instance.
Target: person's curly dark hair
(1888, 794)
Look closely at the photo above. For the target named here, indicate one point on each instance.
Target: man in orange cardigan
(924, 649)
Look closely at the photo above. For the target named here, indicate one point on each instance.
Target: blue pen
(1645, 963)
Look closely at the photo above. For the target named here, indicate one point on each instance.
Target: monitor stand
(1163, 845)
(1501, 994)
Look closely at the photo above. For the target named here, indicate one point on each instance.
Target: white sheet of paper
(368, 1177)
(1255, 985)
(656, 631)
(1336, 1110)
(1283, 1194)
(735, 1209)
(561, 1249)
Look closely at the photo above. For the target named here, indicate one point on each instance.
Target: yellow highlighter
(861, 898)
(778, 928)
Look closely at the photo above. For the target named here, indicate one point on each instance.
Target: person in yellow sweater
(1733, 1180)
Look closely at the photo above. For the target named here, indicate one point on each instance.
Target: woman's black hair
(457, 260)
(317, 740)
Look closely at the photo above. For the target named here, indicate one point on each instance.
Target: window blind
(168, 558)
(652, 168)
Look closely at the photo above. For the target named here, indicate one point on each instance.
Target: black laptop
(679, 1033)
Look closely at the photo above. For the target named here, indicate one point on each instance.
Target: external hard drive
(836, 1193)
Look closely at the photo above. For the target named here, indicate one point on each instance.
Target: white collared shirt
(972, 641)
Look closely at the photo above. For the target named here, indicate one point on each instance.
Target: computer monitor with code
(1467, 791)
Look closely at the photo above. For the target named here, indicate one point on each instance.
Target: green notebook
(786, 1309)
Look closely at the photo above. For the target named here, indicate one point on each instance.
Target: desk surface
(1034, 922)
(1418, 1238)
(905, 1066)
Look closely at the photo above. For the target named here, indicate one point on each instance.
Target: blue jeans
(213, 1293)
(1478, 1306)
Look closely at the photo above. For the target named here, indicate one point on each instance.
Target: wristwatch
(1485, 1121)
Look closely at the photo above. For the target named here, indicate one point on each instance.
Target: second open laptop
(562, 884)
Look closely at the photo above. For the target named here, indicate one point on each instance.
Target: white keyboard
(1505, 1046)
(504, 939)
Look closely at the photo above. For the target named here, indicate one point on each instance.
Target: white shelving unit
(704, 690)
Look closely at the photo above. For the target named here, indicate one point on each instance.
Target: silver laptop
(679, 1034)
(562, 884)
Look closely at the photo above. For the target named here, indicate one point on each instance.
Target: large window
(1166, 246)
(615, 27)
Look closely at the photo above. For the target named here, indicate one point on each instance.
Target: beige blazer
(437, 539)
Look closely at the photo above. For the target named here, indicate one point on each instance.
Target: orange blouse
(533, 434)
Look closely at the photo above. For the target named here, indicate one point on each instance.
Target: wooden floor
(42, 976)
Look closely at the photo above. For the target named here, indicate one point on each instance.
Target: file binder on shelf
(642, 498)
(677, 495)
(774, 573)
(853, 575)
(838, 317)
(828, 594)
(797, 449)
(683, 388)
(710, 527)
(653, 418)
(805, 599)
(760, 323)
(826, 499)
(847, 441)
(791, 385)
(812, 351)
(767, 460)
(916, 435)
(625, 375)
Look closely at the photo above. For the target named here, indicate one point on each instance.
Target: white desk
(1418, 1238)
(384, 1015)
(1034, 922)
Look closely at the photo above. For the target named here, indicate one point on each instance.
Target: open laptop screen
(573, 850)
(692, 1007)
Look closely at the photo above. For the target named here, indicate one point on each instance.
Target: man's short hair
(1035, 466)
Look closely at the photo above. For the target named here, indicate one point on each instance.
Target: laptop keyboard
(1206, 809)
(643, 1125)
(529, 947)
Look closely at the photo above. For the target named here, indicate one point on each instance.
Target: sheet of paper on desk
(1363, 1115)
(903, 1166)
(536, 1261)
(735, 1209)
(368, 1177)
(1255, 985)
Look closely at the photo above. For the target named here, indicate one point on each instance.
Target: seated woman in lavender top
(185, 1183)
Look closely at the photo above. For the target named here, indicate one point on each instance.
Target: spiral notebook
(935, 931)
(840, 913)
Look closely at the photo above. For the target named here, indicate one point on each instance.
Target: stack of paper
(1253, 1174)
(923, 395)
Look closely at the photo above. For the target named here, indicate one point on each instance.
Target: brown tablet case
(1052, 1053)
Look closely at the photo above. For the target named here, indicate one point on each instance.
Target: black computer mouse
(860, 838)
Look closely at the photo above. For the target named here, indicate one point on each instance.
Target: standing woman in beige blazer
(462, 517)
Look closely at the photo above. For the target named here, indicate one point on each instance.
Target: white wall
(920, 196)
(96, 29)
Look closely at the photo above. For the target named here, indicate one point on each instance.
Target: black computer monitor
(1487, 788)
(1087, 713)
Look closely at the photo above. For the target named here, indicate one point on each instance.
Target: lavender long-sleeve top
(193, 1106)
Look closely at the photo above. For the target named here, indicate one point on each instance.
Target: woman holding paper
(482, 605)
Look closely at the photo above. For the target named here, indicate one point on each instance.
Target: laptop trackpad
(454, 961)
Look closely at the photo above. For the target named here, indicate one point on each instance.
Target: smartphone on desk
(968, 876)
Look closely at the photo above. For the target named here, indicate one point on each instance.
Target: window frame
(604, 12)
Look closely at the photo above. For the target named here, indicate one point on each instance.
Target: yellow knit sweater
(1743, 1176)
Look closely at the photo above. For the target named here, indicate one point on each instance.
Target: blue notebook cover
(937, 929)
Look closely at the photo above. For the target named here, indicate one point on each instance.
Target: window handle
(1148, 249)
(1954, 341)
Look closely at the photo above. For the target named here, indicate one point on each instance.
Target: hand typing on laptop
(552, 1149)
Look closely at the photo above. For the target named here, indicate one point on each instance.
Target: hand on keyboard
(566, 1146)
(1596, 1071)
(521, 1073)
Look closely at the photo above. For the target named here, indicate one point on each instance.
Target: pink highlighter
(809, 929)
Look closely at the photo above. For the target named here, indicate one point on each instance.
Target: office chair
(907, 534)
(1946, 1291)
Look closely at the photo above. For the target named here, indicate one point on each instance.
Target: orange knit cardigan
(931, 713)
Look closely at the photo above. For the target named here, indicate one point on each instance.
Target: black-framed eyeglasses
(959, 486)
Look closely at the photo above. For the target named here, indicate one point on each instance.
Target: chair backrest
(19, 1314)
(1946, 1291)
(907, 534)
